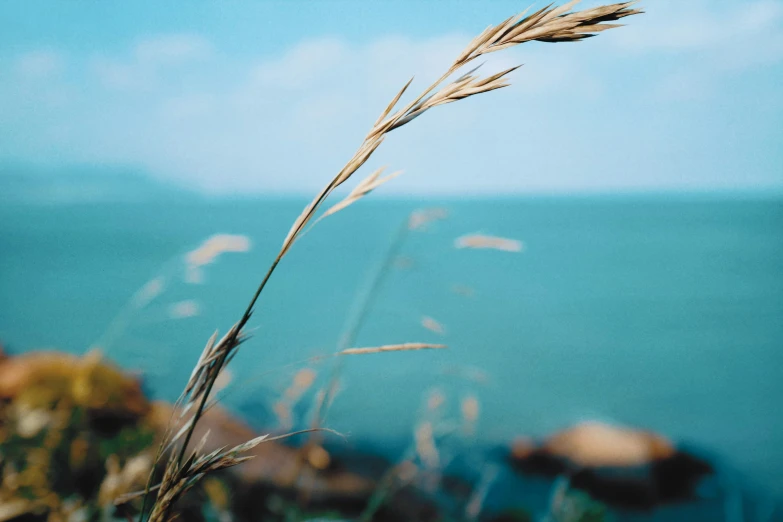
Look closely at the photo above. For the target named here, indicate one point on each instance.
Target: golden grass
(419, 219)
(470, 408)
(184, 309)
(213, 246)
(475, 503)
(283, 408)
(364, 187)
(463, 290)
(432, 325)
(406, 347)
(484, 242)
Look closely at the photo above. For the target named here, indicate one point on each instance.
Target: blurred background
(642, 172)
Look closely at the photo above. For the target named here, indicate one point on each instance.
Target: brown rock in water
(664, 481)
(593, 444)
(619, 466)
(275, 464)
(311, 479)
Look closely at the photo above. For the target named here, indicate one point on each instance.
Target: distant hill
(27, 184)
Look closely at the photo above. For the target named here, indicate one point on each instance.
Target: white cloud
(288, 121)
(315, 91)
(172, 49)
(699, 26)
(188, 107)
(148, 59)
(302, 65)
(695, 46)
(40, 64)
(117, 74)
(683, 85)
(283, 123)
(297, 117)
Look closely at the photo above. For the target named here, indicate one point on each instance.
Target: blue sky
(274, 97)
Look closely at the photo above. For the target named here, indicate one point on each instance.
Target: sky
(274, 97)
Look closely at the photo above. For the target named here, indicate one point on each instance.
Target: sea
(663, 312)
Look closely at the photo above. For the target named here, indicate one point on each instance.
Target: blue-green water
(662, 312)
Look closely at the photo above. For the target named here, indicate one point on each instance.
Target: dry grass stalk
(419, 219)
(470, 409)
(432, 325)
(181, 475)
(148, 292)
(194, 260)
(480, 241)
(184, 309)
(364, 187)
(406, 347)
(469, 373)
(463, 290)
(428, 454)
(393, 480)
(425, 445)
(404, 262)
(283, 408)
(178, 480)
(476, 502)
(208, 251)
(213, 246)
(360, 309)
(435, 400)
(301, 382)
(550, 24)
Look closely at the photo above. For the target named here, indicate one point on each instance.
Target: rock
(275, 464)
(619, 466)
(593, 444)
(665, 481)
(311, 478)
